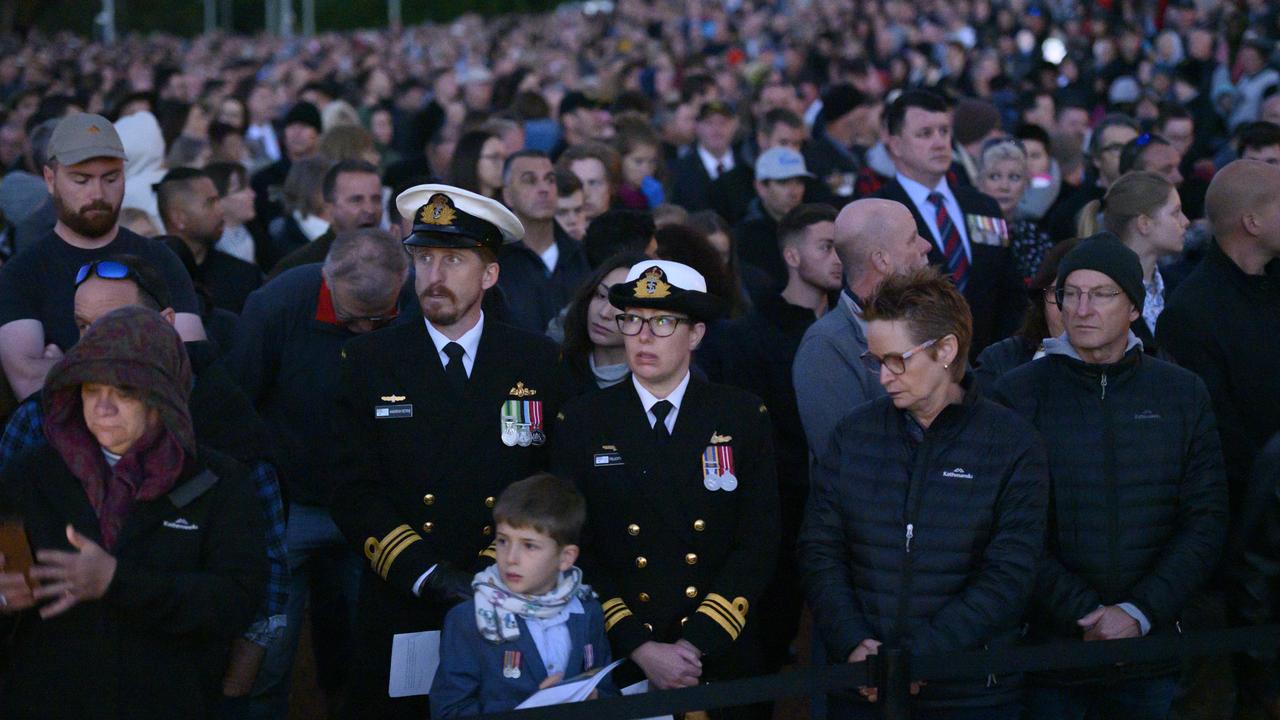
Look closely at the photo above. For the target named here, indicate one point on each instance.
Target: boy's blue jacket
(469, 680)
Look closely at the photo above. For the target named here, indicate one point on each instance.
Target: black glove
(448, 583)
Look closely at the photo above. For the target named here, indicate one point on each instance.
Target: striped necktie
(952, 248)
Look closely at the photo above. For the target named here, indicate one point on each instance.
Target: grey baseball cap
(781, 163)
(84, 136)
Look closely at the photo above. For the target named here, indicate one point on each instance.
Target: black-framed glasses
(659, 325)
(896, 362)
(113, 270)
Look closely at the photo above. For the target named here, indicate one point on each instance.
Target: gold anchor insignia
(392, 398)
(718, 439)
(652, 285)
(521, 391)
(438, 211)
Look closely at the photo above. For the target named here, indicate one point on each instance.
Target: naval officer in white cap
(435, 418)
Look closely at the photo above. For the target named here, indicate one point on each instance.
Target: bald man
(874, 238)
(1223, 323)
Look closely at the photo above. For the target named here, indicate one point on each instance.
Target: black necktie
(454, 369)
(661, 410)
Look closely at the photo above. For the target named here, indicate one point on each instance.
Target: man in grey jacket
(874, 238)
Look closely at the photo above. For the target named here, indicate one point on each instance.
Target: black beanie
(840, 100)
(1106, 254)
(304, 113)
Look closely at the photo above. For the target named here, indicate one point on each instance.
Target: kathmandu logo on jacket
(957, 473)
(181, 524)
(1147, 415)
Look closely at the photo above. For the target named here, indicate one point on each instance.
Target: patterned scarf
(130, 348)
(497, 606)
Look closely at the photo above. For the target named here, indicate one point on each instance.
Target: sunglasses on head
(113, 270)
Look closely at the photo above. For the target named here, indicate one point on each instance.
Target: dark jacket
(470, 678)
(1000, 358)
(756, 241)
(535, 296)
(693, 189)
(926, 538)
(1138, 504)
(1224, 326)
(268, 190)
(670, 557)
(995, 293)
(418, 469)
(313, 252)
(1259, 601)
(191, 571)
(1062, 219)
(286, 238)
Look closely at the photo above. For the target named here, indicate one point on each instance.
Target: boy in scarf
(531, 622)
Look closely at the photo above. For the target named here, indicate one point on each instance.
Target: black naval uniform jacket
(421, 467)
(669, 558)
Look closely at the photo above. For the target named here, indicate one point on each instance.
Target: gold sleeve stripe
(373, 548)
(390, 548)
(738, 608)
(723, 619)
(615, 610)
(490, 552)
(394, 552)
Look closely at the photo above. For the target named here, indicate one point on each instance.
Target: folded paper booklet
(575, 689)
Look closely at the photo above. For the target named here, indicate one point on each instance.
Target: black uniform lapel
(653, 480)
(420, 378)
(694, 427)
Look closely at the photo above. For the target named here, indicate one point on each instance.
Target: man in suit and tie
(681, 490)
(969, 235)
(713, 176)
(434, 418)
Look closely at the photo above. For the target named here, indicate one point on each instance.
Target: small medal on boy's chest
(511, 664)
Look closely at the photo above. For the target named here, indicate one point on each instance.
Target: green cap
(84, 136)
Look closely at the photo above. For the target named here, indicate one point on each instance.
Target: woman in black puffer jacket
(925, 522)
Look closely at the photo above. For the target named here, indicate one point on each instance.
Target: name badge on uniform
(588, 657)
(717, 469)
(391, 412)
(987, 230)
(522, 423)
(608, 459)
(511, 664)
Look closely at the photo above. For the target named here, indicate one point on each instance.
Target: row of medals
(522, 434)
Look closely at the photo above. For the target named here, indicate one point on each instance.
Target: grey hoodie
(144, 148)
(1062, 346)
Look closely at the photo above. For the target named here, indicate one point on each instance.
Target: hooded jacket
(144, 148)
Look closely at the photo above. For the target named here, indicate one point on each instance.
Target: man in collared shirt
(713, 176)
(681, 490)
(970, 237)
(434, 418)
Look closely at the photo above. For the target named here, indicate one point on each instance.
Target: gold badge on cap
(438, 211)
(652, 285)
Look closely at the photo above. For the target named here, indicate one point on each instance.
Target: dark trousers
(1141, 699)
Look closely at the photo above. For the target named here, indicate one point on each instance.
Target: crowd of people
(641, 332)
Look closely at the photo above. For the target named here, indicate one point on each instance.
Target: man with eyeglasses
(681, 490)
(1105, 144)
(286, 355)
(84, 173)
(1138, 500)
(434, 417)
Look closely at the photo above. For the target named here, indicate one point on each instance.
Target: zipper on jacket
(1104, 386)
(910, 534)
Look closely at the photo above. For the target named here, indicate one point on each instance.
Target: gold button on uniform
(691, 559)
(428, 527)
(648, 627)
(488, 502)
(642, 561)
(488, 530)
(644, 597)
(699, 526)
(633, 529)
(428, 499)
(691, 592)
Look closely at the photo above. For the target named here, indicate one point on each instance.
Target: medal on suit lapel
(724, 457)
(509, 433)
(535, 422)
(525, 437)
(511, 664)
(710, 469)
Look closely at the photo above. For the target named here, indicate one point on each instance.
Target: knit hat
(304, 113)
(1106, 254)
(840, 100)
(974, 120)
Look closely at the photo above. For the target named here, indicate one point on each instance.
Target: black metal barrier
(891, 671)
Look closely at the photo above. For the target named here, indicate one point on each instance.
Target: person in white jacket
(144, 146)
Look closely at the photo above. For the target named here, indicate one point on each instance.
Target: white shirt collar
(311, 226)
(919, 193)
(470, 342)
(648, 400)
(709, 161)
(550, 257)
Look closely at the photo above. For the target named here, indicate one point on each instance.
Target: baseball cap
(781, 163)
(84, 136)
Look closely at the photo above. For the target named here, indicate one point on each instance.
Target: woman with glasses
(927, 512)
(477, 163)
(1003, 174)
(147, 547)
(1042, 320)
(593, 350)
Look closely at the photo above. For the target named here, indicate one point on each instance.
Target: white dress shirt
(919, 195)
(710, 161)
(266, 135)
(551, 637)
(469, 341)
(648, 400)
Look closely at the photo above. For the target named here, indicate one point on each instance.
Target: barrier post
(894, 686)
